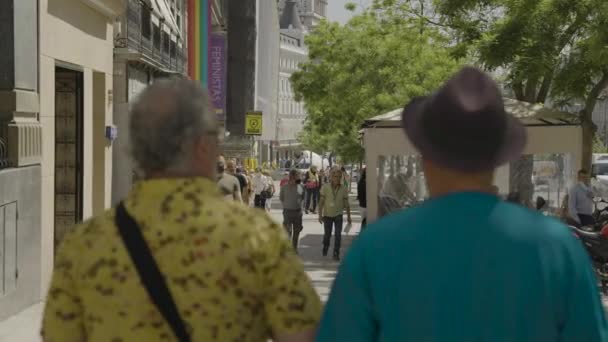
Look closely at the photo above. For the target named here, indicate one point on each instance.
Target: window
(179, 21)
(165, 42)
(146, 22)
(173, 47)
(156, 36)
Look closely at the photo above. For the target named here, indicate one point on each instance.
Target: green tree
(553, 49)
(375, 63)
(598, 146)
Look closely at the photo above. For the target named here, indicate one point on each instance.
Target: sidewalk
(320, 269)
(25, 326)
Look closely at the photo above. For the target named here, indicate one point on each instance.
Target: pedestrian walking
(229, 185)
(345, 178)
(311, 181)
(291, 196)
(334, 201)
(322, 181)
(243, 181)
(247, 198)
(285, 179)
(260, 186)
(580, 200)
(464, 265)
(175, 261)
(362, 198)
(269, 192)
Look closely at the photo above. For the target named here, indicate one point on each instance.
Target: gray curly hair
(167, 119)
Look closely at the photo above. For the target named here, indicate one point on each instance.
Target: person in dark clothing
(231, 169)
(292, 196)
(311, 182)
(362, 197)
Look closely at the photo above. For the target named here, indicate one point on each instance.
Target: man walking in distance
(229, 271)
(228, 184)
(312, 184)
(232, 170)
(580, 200)
(464, 265)
(291, 196)
(334, 201)
(260, 185)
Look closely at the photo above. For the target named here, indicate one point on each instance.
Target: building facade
(157, 39)
(267, 76)
(55, 160)
(293, 52)
(311, 12)
(150, 43)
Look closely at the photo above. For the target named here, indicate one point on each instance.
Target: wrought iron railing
(4, 163)
(149, 39)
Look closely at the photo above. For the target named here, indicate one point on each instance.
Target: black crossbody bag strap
(148, 271)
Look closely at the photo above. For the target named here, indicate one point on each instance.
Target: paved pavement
(25, 326)
(320, 269)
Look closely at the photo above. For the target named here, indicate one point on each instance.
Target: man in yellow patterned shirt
(230, 270)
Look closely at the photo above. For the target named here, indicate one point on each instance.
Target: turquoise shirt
(465, 267)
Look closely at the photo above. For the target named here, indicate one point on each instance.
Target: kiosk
(551, 158)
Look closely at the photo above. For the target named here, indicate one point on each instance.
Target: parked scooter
(596, 244)
(595, 240)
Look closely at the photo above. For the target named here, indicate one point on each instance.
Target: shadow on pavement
(322, 270)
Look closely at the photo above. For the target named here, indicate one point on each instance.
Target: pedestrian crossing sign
(253, 123)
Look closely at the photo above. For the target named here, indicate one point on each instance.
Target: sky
(336, 11)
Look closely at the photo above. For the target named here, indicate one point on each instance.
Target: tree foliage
(373, 64)
(550, 49)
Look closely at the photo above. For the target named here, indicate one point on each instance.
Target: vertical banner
(218, 73)
(191, 39)
(199, 28)
(205, 29)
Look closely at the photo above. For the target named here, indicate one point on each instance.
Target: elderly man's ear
(205, 156)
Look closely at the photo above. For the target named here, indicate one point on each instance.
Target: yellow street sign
(253, 123)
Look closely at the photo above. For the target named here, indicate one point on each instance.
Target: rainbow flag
(199, 29)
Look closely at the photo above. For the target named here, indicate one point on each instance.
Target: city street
(320, 269)
(25, 326)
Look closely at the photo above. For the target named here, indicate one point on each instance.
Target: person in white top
(269, 190)
(260, 185)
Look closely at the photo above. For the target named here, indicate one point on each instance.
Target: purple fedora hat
(464, 125)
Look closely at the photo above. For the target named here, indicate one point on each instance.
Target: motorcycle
(595, 241)
(596, 244)
(600, 217)
(600, 214)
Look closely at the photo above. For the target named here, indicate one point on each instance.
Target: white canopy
(549, 132)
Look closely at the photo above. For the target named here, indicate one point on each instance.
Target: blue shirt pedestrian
(465, 267)
(580, 201)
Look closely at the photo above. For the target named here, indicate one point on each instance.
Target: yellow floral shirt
(231, 270)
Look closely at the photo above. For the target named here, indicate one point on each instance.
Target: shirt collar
(154, 189)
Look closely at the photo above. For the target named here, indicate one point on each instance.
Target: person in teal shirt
(464, 265)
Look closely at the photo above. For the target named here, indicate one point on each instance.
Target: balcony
(110, 8)
(145, 37)
(4, 163)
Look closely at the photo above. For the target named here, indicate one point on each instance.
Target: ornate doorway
(68, 150)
